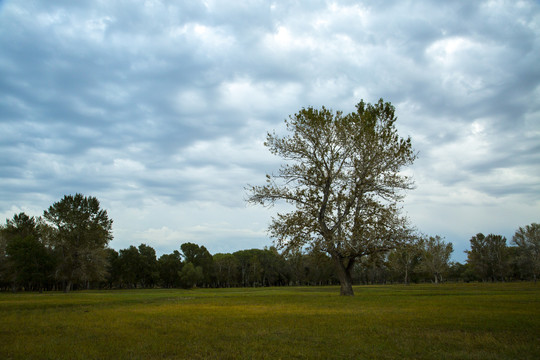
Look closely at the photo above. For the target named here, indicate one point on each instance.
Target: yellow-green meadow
(449, 321)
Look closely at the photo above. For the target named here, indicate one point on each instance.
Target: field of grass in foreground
(465, 321)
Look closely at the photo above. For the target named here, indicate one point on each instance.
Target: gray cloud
(163, 105)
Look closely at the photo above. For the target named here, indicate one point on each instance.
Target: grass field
(465, 321)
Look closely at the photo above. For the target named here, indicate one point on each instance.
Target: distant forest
(67, 249)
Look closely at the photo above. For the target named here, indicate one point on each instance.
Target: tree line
(68, 249)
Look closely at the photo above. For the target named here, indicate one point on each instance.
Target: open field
(464, 321)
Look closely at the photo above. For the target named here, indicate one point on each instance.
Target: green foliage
(313, 267)
(79, 232)
(26, 261)
(199, 256)
(489, 257)
(343, 175)
(527, 240)
(460, 272)
(138, 267)
(371, 269)
(465, 321)
(113, 269)
(435, 255)
(226, 270)
(3, 270)
(128, 264)
(29, 262)
(22, 226)
(190, 275)
(169, 266)
(403, 262)
(148, 266)
(258, 267)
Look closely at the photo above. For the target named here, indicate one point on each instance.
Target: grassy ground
(465, 321)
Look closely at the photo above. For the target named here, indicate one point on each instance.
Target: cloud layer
(160, 108)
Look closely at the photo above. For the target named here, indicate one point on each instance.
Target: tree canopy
(343, 175)
(80, 232)
(435, 254)
(28, 262)
(488, 256)
(527, 240)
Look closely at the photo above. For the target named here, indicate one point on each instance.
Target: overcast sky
(160, 108)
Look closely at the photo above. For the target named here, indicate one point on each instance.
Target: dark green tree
(488, 257)
(113, 277)
(250, 267)
(318, 266)
(169, 266)
(199, 256)
(148, 266)
(460, 272)
(22, 226)
(4, 282)
(138, 266)
(344, 177)
(226, 269)
(28, 262)
(297, 267)
(128, 264)
(190, 275)
(527, 240)
(80, 233)
(273, 266)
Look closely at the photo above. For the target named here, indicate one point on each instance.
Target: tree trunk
(344, 275)
(406, 275)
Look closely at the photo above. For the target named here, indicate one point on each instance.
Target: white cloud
(166, 226)
(127, 166)
(253, 98)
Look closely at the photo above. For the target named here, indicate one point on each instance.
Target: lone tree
(80, 231)
(343, 177)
